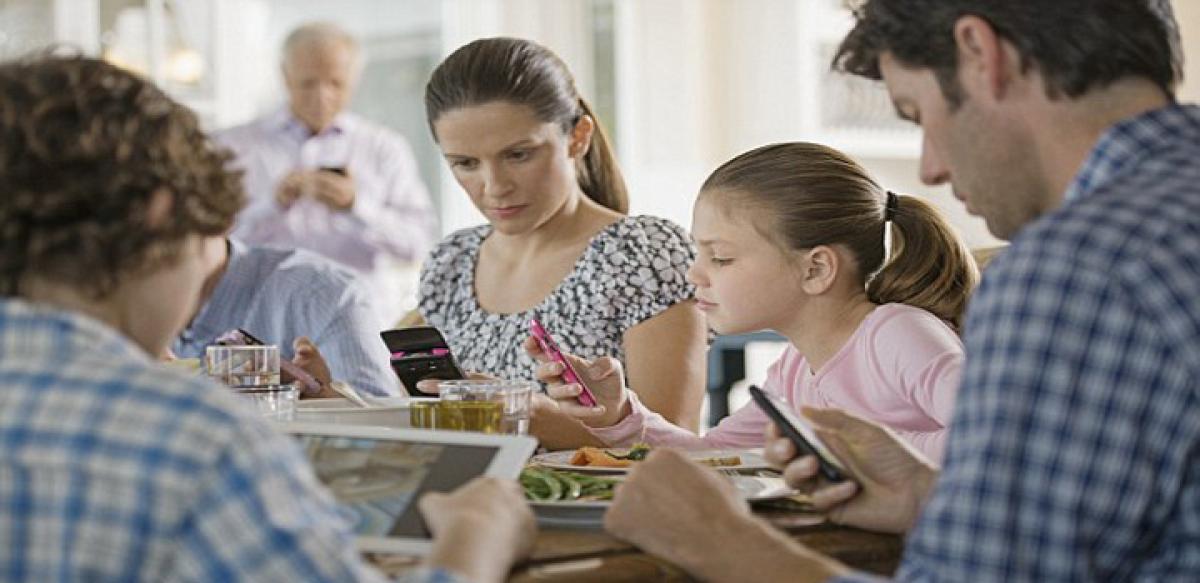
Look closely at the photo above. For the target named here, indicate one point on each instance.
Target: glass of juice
(488, 406)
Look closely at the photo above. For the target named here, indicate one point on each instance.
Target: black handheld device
(420, 353)
(805, 440)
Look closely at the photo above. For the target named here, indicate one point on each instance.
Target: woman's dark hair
(803, 195)
(525, 73)
(1076, 45)
(84, 146)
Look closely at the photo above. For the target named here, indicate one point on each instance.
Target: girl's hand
(603, 376)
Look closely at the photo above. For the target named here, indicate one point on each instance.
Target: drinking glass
(253, 373)
(488, 406)
(243, 366)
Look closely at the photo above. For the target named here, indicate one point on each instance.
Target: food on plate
(607, 458)
(547, 485)
(602, 458)
(720, 461)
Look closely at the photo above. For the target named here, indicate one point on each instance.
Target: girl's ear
(819, 268)
(581, 137)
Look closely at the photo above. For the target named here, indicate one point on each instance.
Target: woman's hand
(890, 479)
(434, 386)
(602, 376)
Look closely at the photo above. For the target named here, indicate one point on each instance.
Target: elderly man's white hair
(320, 33)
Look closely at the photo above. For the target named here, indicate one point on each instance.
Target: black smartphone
(800, 433)
(420, 353)
(335, 169)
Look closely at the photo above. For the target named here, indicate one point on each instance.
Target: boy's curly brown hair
(83, 146)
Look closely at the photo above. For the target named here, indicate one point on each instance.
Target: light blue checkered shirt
(1074, 452)
(115, 468)
(280, 294)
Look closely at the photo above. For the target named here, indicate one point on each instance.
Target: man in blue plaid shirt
(112, 466)
(1074, 451)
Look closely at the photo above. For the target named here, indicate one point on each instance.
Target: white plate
(590, 514)
(384, 411)
(561, 460)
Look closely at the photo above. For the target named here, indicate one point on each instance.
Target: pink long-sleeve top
(901, 368)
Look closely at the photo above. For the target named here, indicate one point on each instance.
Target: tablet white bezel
(513, 451)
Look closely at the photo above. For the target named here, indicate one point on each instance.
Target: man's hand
(604, 376)
(291, 188)
(309, 358)
(891, 480)
(332, 189)
(674, 508)
(479, 530)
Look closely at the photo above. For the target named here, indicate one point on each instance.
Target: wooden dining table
(585, 556)
(591, 555)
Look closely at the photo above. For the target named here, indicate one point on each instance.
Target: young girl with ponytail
(558, 245)
(792, 239)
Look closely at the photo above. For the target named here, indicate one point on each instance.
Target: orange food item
(596, 457)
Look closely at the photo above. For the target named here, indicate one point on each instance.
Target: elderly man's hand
(291, 188)
(889, 479)
(334, 190)
(481, 529)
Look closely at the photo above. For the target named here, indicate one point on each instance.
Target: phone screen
(800, 433)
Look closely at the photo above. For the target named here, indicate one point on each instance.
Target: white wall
(708, 79)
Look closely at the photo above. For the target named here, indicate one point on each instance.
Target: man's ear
(819, 268)
(581, 136)
(987, 64)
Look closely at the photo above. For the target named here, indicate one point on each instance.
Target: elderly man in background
(323, 179)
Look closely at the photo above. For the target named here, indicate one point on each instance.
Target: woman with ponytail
(558, 245)
(793, 238)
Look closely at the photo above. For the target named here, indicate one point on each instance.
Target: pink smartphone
(550, 347)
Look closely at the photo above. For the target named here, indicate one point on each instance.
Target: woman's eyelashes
(468, 164)
(519, 155)
(720, 261)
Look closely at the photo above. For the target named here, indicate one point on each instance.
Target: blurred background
(682, 85)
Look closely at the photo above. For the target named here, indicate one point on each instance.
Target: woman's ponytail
(598, 174)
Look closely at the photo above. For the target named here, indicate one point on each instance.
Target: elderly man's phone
(420, 353)
(801, 435)
(550, 347)
(238, 337)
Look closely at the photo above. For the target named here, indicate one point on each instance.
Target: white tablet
(378, 474)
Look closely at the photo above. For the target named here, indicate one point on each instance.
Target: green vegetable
(637, 453)
(547, 485)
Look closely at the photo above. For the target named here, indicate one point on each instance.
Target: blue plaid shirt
(115, 468)
(1074, 452)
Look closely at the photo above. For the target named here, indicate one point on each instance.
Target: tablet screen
(380, 480)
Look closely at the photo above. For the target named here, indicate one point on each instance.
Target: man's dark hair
(83, 148)
(1076, 45)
